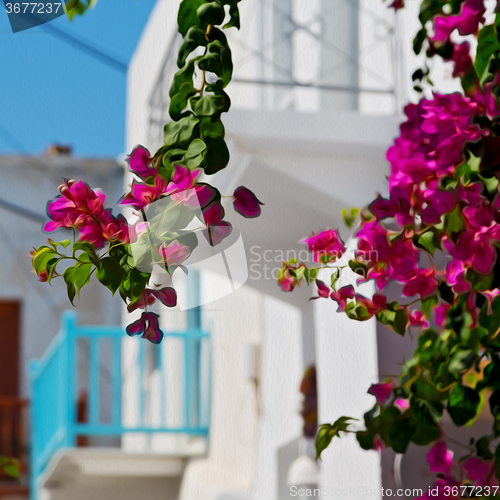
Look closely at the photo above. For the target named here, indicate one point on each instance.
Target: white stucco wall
(31, 182)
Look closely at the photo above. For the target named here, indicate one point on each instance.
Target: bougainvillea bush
(167, 185)
(437, 236)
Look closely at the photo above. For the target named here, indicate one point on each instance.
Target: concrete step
(111, 474)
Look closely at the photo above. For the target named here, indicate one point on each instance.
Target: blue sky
(52, 92)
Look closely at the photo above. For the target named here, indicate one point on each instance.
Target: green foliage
(327, 432)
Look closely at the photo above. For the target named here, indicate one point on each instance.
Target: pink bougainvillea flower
(77, 203)
(288, 278)
(381, 391)
(205, 194)
(166, 296)
(213, 213)
(439, 458)
(325, 246)
(402, 404)
(141, 195)
(377, 443)
(147, 326)
(342, 295)
(173, 253)
(217, 232)
(431, 143)
(323, 290)
(418, 319)
(137, 229)
(441, 314)
(467, 21)
(105, 229)
(476, 470)
(397, 4)
(490, 296)
(422, 283)
(246, 203)
(455, 276)
(183, 179)
(140, 163)
(462, 59)
(146, 299)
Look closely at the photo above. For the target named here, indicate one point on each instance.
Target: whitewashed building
(316, 93)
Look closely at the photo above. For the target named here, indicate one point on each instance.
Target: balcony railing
(57, 388)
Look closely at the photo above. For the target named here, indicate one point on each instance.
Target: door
(9, 348)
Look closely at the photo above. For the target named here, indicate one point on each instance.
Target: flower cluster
(435, 239)
(160, 239)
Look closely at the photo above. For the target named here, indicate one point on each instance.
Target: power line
(86, 47)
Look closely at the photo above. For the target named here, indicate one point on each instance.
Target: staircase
(134, 392)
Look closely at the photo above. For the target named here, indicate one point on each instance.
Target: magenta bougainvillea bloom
(290, 276)
(141, 195)
(147, 326)
(440, 459)
(477, 470)
(80, 207)
(402, 404)
(166, 296)
(325, 246)
(381, 391)
(246, 203)
(75, 207)
(467, 21)
(183, 179)
(173, 253)
(213, 213)
(140, 163)
(342, 295)
(418, 319)
(323, 290)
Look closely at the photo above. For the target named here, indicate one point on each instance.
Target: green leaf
(180, 134)
(428, 240)
(419, 40)
(110, 273)
(460, 360)
(55, 244)
(209, 105)
(350, 217)
(217, 155)
(179, 101)
(462, 404)
(82, 276)
(311, 274)
(487, 45)
(218, 61)
(234, 14)
(12, 470)
(483, 448)
(194, 38)
(77, 7)
(428, 304)
(196, 154)
(357, 311)
(210, 13)
(327, 432)
(44, 255)
(186, 17)
(454, 222)
(69, 278)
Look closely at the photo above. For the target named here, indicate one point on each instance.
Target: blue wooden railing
(54, 389)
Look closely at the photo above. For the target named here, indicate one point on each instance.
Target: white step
(111, 474)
